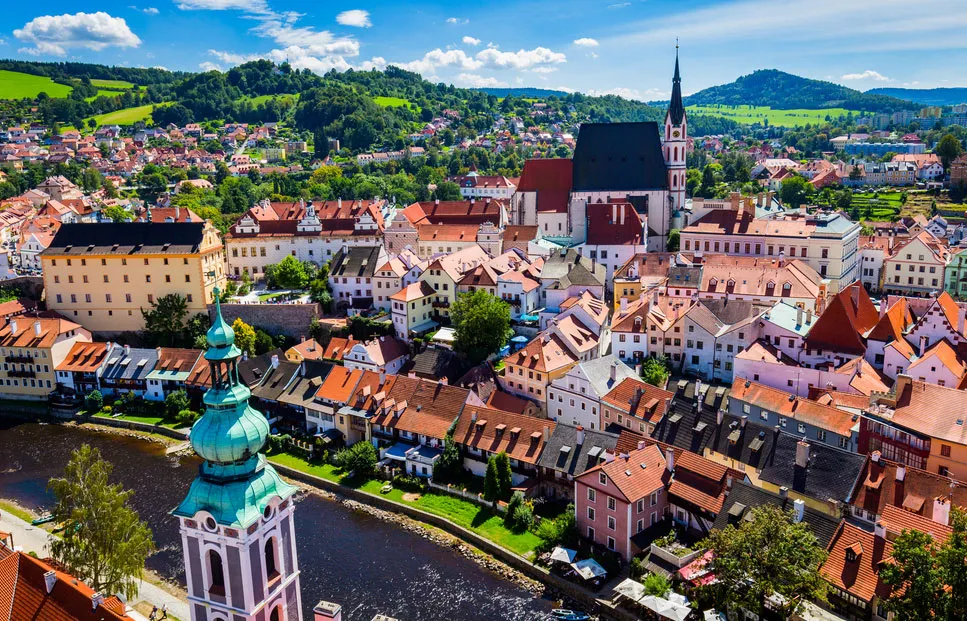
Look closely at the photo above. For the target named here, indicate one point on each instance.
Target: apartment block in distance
(102, 275)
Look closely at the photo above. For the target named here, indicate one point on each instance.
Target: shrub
(107, 409)
(523, 518)
(360, 458)
(186, 417)
(515, 501)
(561, 531)
(94, 400)
(637, 569)
(176, 403)
(657, 585)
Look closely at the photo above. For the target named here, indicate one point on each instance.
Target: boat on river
(569, 615)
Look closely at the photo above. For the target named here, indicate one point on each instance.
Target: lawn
(157, 421)
(103, 93)
(126, 116)
(113, 84)
(15, 85)
(16, 511)
(394, 102)
(264, 98)
(461, 512)
(748, 115)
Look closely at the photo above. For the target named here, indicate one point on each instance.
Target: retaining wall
(521, 564)
(289, 319)
(120, 423)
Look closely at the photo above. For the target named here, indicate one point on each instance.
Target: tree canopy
(104, 542)
(481, 322)
(165, 321)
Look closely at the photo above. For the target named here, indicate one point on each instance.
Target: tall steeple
(676, 110)
(236, 521)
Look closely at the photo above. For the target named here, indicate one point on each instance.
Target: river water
(351, 558)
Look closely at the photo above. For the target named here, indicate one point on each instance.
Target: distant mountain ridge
(925, 96)
(536, 93)
(785, 91)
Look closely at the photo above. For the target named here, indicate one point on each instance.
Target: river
(348, 557)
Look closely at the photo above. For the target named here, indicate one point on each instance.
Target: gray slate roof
(129, 367)
(598, 372)
(570, 268)
(619, 156)
(356, 262)
(122, 238)
(577, 459)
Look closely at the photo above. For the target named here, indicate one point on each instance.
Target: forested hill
(364, 110)
(527, 92)
(925, 96)
(780, 90)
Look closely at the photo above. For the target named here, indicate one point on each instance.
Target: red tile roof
(339, 384)
(937, 411)
(877, 487)
(338, 348)
(896, 520)
(614, 224)
(23, 594)
(790, 406)
(860, 576)
(495, 431)
(636, 474)
(842, 327)
(421, 407)
(83, 357)
(639, 399)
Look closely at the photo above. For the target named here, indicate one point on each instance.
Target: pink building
(622, 497)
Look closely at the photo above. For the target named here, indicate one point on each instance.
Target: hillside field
(747, 115)
(127, 116)
(394, 102)
(14, 85)
(117, 85)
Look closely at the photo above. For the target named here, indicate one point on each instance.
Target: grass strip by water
(16, 511)
(476, 518)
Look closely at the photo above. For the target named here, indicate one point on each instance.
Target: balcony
(14, 373)
(25, 359)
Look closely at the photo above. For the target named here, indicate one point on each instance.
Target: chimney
(96, 600)
(809, 316)
(444, 381)
(621, 216)
(327, 611)
(798, 510)
(382, 377)
(855, 291)
(799, 315)
(473, 416)
(879, 530)
(50, 579)
(127, 349)
(614, 371)
(37, 329)
(13, 327)
(882, 307)
(670, 459)
(783, 492)
(614, 214)
(623, 307)
(719, 416)
(275, 361)
(547, 433)
(875, 457)
(901, 473)
(782, 258)
(923, 345)
(802, 454)
(641, 444)
(580, 435)
(941, 510)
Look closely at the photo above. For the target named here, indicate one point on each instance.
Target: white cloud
(250, 6)
(543, 70)
(209, 66)
(354, 17)
(869, 74)
(619, 5)
(471, 41)
(55, 34)
(478, 81)
(586, 42)
(435, 59)
(521, 59)
(150, 10)
(457, 20)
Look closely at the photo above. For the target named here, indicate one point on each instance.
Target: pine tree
(491, 483)
(504, 475)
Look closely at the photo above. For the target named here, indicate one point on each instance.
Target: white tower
(236, 522)
(675, 141)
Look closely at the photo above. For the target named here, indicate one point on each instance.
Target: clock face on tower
(676, 133)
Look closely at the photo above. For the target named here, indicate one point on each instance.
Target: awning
(329, 436)
(563, 555)
(664, 608)
(631, 589)
(589, 569)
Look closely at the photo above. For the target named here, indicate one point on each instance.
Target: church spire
(676, 109)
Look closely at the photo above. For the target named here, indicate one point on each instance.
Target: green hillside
(764, 115)
(784, 91)
(15, 85)
(126, 116)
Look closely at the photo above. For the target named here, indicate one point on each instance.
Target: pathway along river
(366, 565)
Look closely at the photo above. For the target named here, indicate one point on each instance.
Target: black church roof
(619, 157)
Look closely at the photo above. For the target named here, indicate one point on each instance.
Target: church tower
(236, 522)
(675, 140)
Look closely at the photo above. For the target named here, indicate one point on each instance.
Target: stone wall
(31, 286)
(289, 319)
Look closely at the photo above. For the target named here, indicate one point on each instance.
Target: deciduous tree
(104, 542)
(165, 322)
(244, 336)
(481, 322)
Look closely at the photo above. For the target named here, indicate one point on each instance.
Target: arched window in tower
(276, 614)
(216, 574)
(271, 560)
(676, 154)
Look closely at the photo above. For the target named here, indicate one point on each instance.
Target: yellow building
(445, 272)
(30, 349)
(102, 275)
(412, 310)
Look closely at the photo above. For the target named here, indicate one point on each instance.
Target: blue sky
(598, 46)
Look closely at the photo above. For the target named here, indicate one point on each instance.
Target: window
(590, 533)
(802, 428)
(591, 494)
(641, 526)
(216, 573)
(271, 564)
(591, 513)
(611, 543)
(945, 450)
(611, 503)
(653, 499)
(602, 477)
(821, 435)
(611, 523)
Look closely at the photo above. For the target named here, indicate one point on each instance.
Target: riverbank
(154, 590)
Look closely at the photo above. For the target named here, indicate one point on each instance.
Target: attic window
(500, 428)
(565, 449)
(854, 552)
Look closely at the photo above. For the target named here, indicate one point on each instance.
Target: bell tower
(675, 142)
(236, 523)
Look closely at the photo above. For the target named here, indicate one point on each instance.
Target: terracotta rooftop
(790, 406)
(495, 431)
(636, 474)
(916, 491)
(639, 399)
(84, 358)
(842, 327)
(854, 561)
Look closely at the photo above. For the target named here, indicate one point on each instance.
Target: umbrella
(665, 608)
(589, 569)
(631, 589)
(563, 555)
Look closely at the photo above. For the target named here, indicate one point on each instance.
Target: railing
(13, 373)
(26, 359)
(670, 557)
(462, 493)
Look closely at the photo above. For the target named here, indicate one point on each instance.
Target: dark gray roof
(130, 366)
(251, 370)
(303, 388)
(620, 157)
(568, 268)
(77, 240)
(273, 383)
(823, 526)
(730, 312)
(577, 458)
(676, 108)
(685, 275)
(437, 362)
(356, 262)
